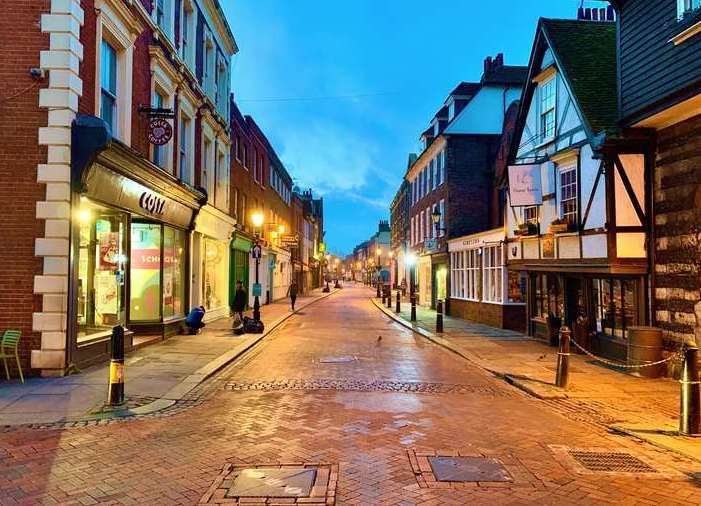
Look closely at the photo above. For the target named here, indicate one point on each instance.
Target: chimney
(596, 14)
(499, 61)
(487, 64)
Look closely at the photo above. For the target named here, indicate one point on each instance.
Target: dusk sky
(343, 89)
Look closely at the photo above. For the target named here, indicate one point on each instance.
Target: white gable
(484, 114)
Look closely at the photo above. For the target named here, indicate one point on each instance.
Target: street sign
(290, 239)
(256, 251)
(257, 290)
(430, 244)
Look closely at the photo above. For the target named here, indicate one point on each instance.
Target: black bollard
(563, 358)
(439, 316)
(115, 394)
(389, 297)
(398, 309)
(413, 307)
(690, 410)
(382, 292)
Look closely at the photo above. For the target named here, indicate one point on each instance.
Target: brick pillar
(62, 62)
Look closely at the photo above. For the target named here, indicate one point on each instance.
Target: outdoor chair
(9, 348)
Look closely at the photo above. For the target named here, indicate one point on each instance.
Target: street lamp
(436, 217)
(257, 218)
(411, 262)
(327, 288)
(379, 268)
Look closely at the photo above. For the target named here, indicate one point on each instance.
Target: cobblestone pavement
(342, 389)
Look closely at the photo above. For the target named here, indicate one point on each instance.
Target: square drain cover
(468, 469)
(271, 482)
(610, 462)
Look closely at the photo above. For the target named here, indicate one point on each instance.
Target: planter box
(529, 229)
(559, 228)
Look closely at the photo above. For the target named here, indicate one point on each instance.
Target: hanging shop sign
(289, 240)
(548, 244)
(160, 131)
(525, 186)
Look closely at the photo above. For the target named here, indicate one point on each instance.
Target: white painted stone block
(65, 79)
(71, 7)
(63, 98)
(48, 360)
(50, 322)
(53, 340)
(55, 136)
(59, 154)
(46, 247)
(58, 192)
(61, 117)
(56, 266)
(64, 23)
(53, 210)
(66, 60)
(50, 284)
(66, 42)
(57, 228)
(54, 303)
(53, 173)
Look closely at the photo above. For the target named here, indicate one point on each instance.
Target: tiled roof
(465, 88)
(586, 54)
(506, 74)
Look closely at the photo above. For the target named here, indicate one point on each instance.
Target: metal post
(115, 393)
(398, 309)
(563, 358)
(439, 316)
(412, 295)
(256, 300)
(388, 289)
(383, 293)
(690, 409)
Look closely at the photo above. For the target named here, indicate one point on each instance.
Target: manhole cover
(274, 483)
(464, 469)
(338, 360)
(610, 462)
(271, 482)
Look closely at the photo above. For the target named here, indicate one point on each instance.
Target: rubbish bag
(250, 326)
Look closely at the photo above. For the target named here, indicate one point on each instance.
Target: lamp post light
(257, 219)
(436, 217)
(328, 260)
(379, 268)
(411, 262)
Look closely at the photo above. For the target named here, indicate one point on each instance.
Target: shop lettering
(151, 203)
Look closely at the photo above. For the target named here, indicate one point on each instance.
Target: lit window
(530, 215)
(493, 274)
(568, 195)
(108, 86)
(547, 109)
(687, 7)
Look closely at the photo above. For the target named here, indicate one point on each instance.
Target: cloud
(328, 157)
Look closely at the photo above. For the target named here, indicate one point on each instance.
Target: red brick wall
(495, 315)
(86, 102)
(141, 94)
(20, 119)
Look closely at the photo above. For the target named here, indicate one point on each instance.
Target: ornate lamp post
(411, 262)
(379, 268)
(390, 254)
(327, 288)
(257, 218)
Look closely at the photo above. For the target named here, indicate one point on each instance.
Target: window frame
(493, 274)
(543, 133)
(572, 188)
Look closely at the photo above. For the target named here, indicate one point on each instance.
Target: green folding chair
(9, 348)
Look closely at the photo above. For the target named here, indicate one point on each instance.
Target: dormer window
(687, 7)
(451, 110)
(547, 91)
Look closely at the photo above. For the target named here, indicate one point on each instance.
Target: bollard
(384, 295)
(389, 298)
(439, 316)
(398, 309)
(413, 307)
(378, 288)
(690, 410)
(115, 394)
(563, 358)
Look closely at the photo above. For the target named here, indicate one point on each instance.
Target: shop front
(440, 282)
(130, 247)
(282, 274)
(211, 262)
(481, 288)
(239, 268)
(424, 278)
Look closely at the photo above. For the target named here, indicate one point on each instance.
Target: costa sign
(159, 131)
(152, 203)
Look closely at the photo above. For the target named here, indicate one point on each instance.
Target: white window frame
(169, 18)
(531, 215)
(544, 137)
(493, 274)
(208, 172)
(187, 110)
(685, 7)
(222, 177)
(163, 81)
(119, 28)
(188, 54)
(560, 192)
(441, 223)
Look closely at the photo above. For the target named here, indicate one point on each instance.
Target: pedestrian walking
(239, 305)
(292, 293)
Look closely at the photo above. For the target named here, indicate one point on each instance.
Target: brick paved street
(367, 401)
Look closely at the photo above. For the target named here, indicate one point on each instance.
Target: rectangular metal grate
(610, 462)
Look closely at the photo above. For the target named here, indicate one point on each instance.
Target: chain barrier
(678, 355)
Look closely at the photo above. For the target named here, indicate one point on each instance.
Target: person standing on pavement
(292, 293)
(240, 298)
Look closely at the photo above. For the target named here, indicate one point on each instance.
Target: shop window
(614, 306)
(548, 296)
(145, 272)
(174, 247)
(108, 86)
(101, 270)
(215, 279)
(493, 274)
(517, 283)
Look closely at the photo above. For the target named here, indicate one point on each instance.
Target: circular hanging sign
(159, 131)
